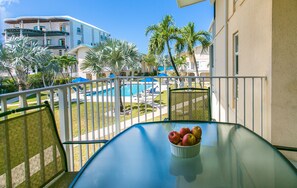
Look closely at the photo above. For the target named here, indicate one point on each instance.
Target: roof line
(53, 17)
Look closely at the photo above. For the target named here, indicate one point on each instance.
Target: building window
(61, 42)
(60, 52)
(42, 28)
(48, 42)
(78, 30)
(78, 42)
(235, 63)
(63, 28)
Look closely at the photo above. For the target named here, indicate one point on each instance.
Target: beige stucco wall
(251, 19)
(284, 73)
(267, 47)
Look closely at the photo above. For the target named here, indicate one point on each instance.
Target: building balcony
(56, 47)
(90, 110)
(32, 33)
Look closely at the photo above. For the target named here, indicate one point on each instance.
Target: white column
(65, 41)
(226, 60)
(5, 35)
(38, 24)
(21, 28)
(44, 39)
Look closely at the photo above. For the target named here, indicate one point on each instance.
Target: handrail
(286, 148)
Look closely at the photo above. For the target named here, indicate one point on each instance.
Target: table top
(230, 156)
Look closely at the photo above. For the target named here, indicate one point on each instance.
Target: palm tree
(162, 34)
(19, 55)
(150, 60)
(180, 61)
(5, 64)
(113, 55)
(66, 62)
(189, 38)
(49, 68)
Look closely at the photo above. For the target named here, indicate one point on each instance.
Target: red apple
(183, 131)
(197, 132)
(189, 140)
(174, 137)
(180, 143)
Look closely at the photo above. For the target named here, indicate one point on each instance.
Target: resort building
(257, 38)
(58, 33)
(202, 60)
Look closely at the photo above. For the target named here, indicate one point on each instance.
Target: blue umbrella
(162, 74)
(80, 79)
(147, 79)
(111, 76)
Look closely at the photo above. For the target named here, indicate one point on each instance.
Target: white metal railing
(91, 110)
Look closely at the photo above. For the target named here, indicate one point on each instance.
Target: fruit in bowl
(183, 131)
(186, 142)
(174, 137)
(189, 140)
(197, 132)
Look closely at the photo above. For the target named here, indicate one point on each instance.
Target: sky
(123, 19)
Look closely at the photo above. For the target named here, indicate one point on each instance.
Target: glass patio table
(230, 156)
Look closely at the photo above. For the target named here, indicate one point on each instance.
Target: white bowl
(185, 151)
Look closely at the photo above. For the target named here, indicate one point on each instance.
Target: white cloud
(3, 12)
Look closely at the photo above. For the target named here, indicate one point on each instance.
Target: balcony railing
(91, 110)
(33, 32)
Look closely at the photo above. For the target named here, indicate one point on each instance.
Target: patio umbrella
(111, 76)
(162, 74)
(80, 79)
(148, 80)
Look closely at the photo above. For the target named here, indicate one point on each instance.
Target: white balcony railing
(91, 110)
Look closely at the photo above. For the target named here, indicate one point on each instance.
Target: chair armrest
(286, 148)
(86, 142)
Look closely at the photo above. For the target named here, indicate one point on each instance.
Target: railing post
(117, 104)
(64, 121)
(22, 101)
(190, 82)
(3, 105)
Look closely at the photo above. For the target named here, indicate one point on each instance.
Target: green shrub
(35, 80)
(60, 81)
(7, 86)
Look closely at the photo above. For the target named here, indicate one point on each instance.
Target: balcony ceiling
(183, 3)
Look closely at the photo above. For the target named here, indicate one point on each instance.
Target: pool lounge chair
(80, 89)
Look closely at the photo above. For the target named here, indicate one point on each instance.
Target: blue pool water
(161, 68)
(126, 90)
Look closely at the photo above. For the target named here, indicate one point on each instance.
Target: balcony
(56, 47)
(90, 110)
(33, 33)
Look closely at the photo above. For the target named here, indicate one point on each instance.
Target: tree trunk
(195, 63)
(196, 67)
(171, 59)
(22, 87)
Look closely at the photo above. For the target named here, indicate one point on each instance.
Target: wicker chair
(31, 153)
(189, 104)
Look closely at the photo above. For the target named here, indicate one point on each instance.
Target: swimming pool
(126, 90)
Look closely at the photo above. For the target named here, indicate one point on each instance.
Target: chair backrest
(189, 104)
(31, 153)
